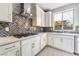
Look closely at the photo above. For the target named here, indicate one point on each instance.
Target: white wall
(69, 6)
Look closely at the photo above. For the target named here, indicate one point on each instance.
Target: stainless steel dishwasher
(76, 50)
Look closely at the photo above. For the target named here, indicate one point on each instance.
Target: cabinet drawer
(68, 37)
(9, 47)
(26, 41)
(54, 35)
(61, 36)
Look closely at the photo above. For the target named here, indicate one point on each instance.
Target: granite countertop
(7, 40)
(74, 34)
(12, 39)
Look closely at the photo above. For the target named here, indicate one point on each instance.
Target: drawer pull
(9, 47)
(33, 44)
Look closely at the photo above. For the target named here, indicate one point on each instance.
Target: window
(58, 21)
(68, 20)
(63, 20)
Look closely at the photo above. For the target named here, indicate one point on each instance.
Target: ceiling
(51, 6)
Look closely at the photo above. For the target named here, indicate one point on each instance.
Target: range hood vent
(22, 8)
(22, 12)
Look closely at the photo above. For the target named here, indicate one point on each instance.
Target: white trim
(72, 9)
(68, 10)
(73, 19)
(53, 20)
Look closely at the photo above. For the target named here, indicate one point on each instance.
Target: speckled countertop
(12, 39)
(74, 34)
(7, 40)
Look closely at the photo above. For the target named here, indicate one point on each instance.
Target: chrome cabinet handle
(9, 47)
(61, 40)
(33, 45)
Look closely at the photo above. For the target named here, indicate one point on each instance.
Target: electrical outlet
(6, 28)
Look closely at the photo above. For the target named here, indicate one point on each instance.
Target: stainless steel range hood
(23, 13)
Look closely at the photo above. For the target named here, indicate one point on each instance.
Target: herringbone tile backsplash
(18, 25)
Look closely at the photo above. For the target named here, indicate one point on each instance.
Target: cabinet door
(43, 40)
(27, 48)
(50, 40)
(68, 44)
(43, 18)
(5, 12)
(57, 42)
(14, 52)
(36, 45)
(39, 16)
(48, 19)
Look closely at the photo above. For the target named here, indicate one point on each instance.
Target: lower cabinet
(43, 40)
(68, 44)
(63, 42)
(54, 41)
(26, 48)
(57, 42)
(14, 52)
(12, 49)
(30, 46)
(50, 40)
(36, 45)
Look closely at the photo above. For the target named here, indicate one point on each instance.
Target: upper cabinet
(48, 19)
(43, 18)
(37, 15)
(6, 12)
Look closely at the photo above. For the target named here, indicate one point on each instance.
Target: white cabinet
(43, 19)
(63, 42)
(40, 17)
(50, 40)
(57, 42)
(48, 19)
(26, 47)
(36, 45)
(30, 46)
(6, 12)
(14, 52)
(68, 44)
(54, 41)
(12, 49)
(37, 15)
(43, 40)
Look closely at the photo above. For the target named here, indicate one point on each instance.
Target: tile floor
(48, 51)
